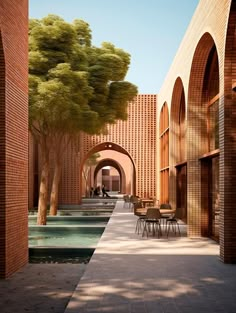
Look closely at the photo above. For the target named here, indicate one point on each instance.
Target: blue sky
(150, 30)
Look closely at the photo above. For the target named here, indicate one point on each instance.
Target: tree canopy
(73, 86)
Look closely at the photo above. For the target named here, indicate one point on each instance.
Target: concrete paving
(129, 273)
(40, 288)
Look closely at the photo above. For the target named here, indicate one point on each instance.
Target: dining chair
(165, 216)
(126, 200)
(141, 214)
(133, 200)
(172, 224)
(152, 222)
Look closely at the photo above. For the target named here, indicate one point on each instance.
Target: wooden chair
(152, 222)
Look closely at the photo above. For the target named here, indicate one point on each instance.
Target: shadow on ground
(40, 288)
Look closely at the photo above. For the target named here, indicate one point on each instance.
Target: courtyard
(128, 273)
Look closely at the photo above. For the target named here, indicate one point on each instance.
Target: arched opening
(116, 156)
(110, 173)
(178, 176)
(164, 154)
(203, 141)
(210, 160)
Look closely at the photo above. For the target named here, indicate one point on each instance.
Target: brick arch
(117, 166)
(110, 146)
(197, 133)
(137, 136)
(164, 153)
(178, 144)
(196, 110)
(177, 119)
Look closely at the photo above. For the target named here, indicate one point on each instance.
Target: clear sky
(150, 30)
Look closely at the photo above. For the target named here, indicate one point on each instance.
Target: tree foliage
(73, 85)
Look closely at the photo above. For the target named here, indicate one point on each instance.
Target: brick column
(13, 136)
(228, 147)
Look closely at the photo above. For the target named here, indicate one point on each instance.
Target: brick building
(129, 146)
(181, 148)
(194, 143)
(197, 127)
(13, 135)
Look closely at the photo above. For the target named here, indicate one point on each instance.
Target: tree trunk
(55, 187)
(43, 190)
(85, 173)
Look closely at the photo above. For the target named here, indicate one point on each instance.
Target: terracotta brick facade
(204, 71)
(137, 138)
(134, 138)
(13, 135)
(130, 143)
(199, 93)
(177, 162)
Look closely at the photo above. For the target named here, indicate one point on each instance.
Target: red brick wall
(213, 24)
(137, 136)
(228, 146)
(13, 135)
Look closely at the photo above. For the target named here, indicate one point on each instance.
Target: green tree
(73, 86)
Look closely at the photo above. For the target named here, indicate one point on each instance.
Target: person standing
(104, 193)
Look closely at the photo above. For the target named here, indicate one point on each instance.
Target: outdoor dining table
(147, 202)
(141, 213)
(163, 212)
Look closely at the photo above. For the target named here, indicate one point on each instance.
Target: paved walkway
(131, 274)
(40, 288)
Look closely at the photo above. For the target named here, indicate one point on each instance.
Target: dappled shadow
(159, 283)
(120, 236)
(129, 273)
(40, 288)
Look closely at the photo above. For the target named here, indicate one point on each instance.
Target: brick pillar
(227, 181)
(13, 136)
(228, 147)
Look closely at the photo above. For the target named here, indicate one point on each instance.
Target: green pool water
(78, 212)
(60, 255)
(85, 212)
(72, 220)
(69, 237)
(46, 236)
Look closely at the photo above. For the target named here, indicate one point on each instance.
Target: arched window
(164, 154)
(212, 94)
(182, 129)
(210, 161)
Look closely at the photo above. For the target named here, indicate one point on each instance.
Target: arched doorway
(210, 159)
(112, 182)
(178, 163)
(112, 147)
(164, 154)
(203, 140)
